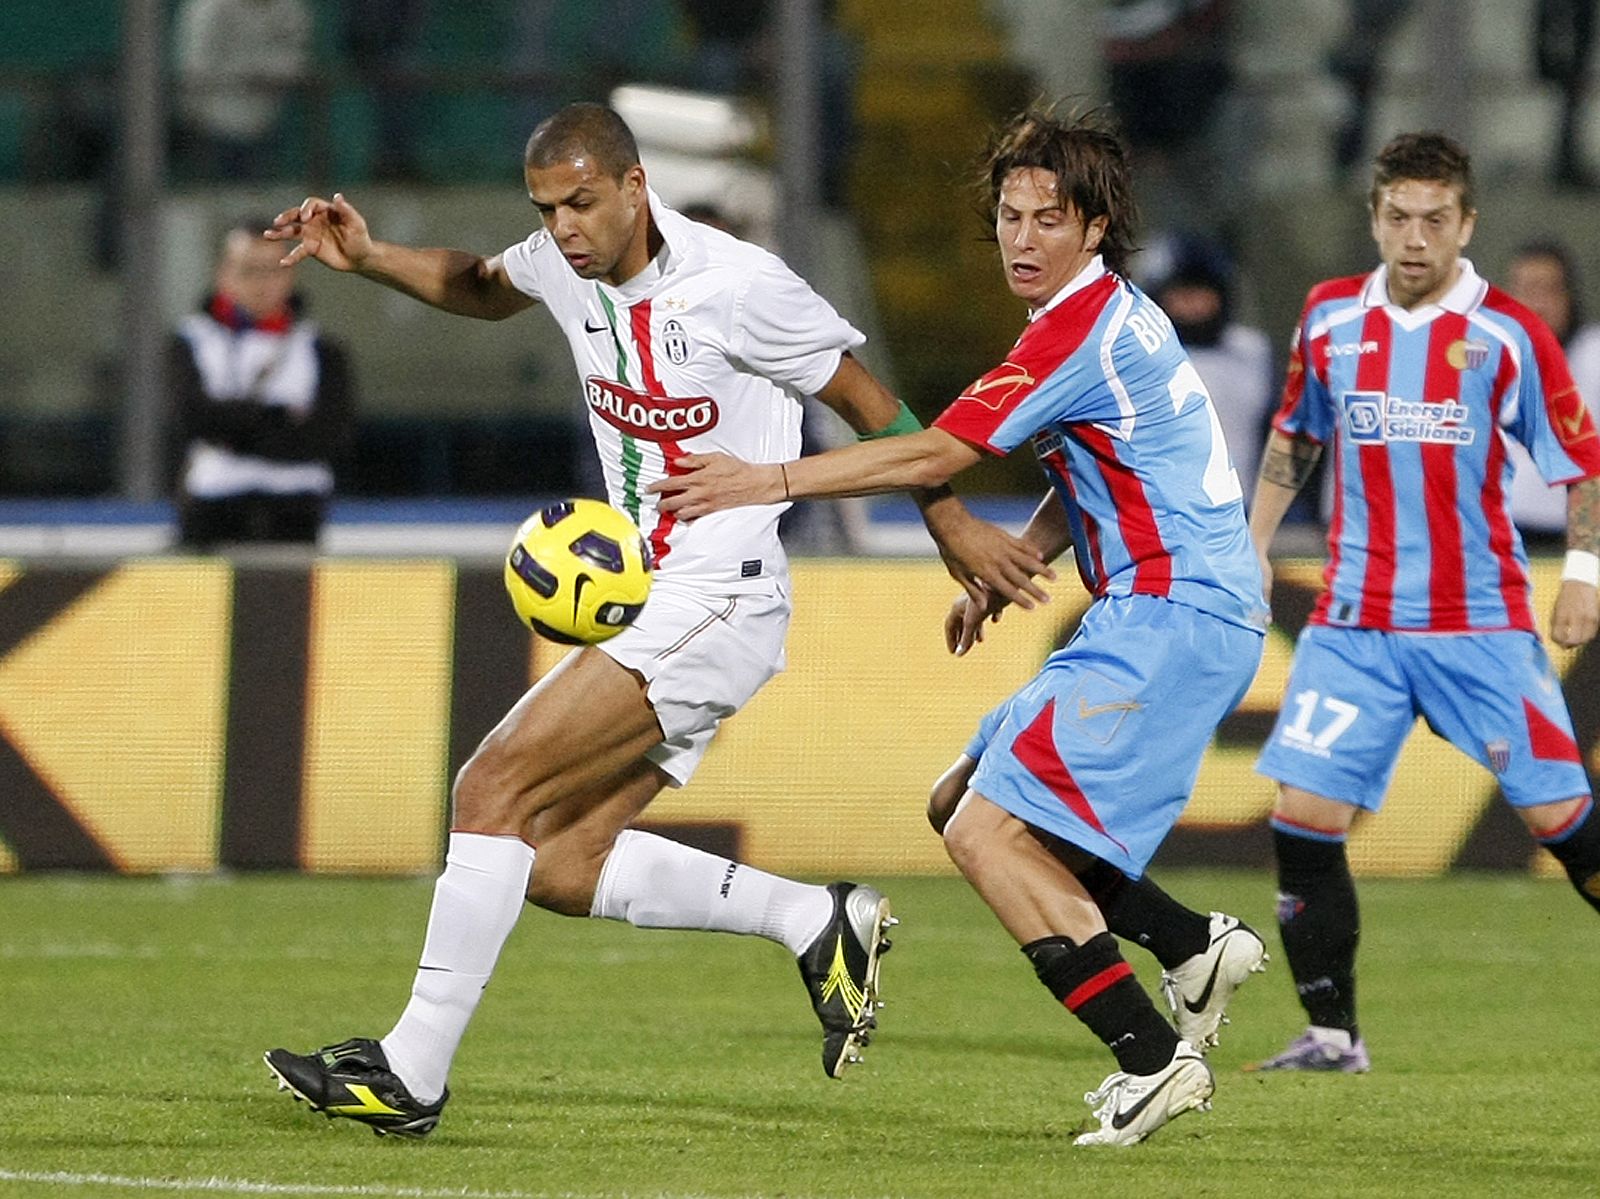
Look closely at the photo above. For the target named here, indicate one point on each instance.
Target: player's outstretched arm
(1576, 618)
(711, 482)
(979, 555)
(335, 234)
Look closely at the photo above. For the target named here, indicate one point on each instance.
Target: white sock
(652, 882)
(1339, 1038)
(475, 906)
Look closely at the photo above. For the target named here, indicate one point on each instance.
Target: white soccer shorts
(703, 654)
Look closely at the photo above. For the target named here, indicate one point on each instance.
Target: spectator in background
(563, 51)
(235, 61)
(734, 54)
(1192, 279)
(1563, 41)
(1542, 276)
(1355, 62)
(263, 403)
(1169, 76)
(381, 38)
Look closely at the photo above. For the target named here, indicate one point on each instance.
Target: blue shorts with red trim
(1354, 695)
(1102, 747)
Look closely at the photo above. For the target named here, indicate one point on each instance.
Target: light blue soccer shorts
(1102, 747)
(1354, 694)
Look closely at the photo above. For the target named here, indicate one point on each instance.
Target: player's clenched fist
(331, 231)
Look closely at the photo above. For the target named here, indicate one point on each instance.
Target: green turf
(609, 1061)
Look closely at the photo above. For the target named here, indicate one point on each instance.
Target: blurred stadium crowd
(1252, 122)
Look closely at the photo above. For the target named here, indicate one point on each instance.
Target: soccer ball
(578, 572)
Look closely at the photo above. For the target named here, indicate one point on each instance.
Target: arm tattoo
(1293, 467)
(1583, 516)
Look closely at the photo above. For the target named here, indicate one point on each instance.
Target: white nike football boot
(1198, 990)
(1132, 1106)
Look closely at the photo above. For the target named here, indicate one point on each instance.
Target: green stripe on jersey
(616, 340)
(632, 459)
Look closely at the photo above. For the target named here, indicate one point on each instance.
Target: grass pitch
(606, 1061)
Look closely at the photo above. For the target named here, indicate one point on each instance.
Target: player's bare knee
(965, 842)
(489, 796)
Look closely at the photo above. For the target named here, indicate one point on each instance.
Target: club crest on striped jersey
(997, 387)
(1464, 355)
(675, 342)
(650, 417)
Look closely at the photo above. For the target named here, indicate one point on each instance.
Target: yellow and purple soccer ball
(578, 572)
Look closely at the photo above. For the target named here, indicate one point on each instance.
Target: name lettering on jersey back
(651, 417)
(1150, 325)
(1374, 418)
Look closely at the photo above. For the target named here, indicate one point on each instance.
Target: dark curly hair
(1083, 150)
(1430, 157)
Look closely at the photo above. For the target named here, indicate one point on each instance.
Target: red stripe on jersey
(1319, 614)
(1152, 564)
(1092, 573)
(1569, 416)
(671, 451)
(1035, 748)
(1513, 580)
(1447, 571)
(1090, 987)
(1294, 381)
(979, 411)
(1547, 740)
(1377, 585)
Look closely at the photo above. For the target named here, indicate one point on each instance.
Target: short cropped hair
(1089, 161)
(1429, 157)
(584, 131)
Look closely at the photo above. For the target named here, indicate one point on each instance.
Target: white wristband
(1582, 567)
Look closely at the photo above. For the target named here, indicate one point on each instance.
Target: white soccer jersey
(711, 348)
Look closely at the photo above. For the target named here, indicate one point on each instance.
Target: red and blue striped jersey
(1131, 443)
(1419, 405)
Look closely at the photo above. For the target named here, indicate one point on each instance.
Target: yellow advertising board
(192, 715)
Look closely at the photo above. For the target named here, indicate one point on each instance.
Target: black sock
(1141, 912)
(1320, 923)
(1093, 983)
(1578, 849)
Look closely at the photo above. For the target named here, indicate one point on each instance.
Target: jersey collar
(1464, 295)
(1095, 268)
(674, 239)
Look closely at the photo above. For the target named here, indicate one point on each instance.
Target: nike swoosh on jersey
(602, 327)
